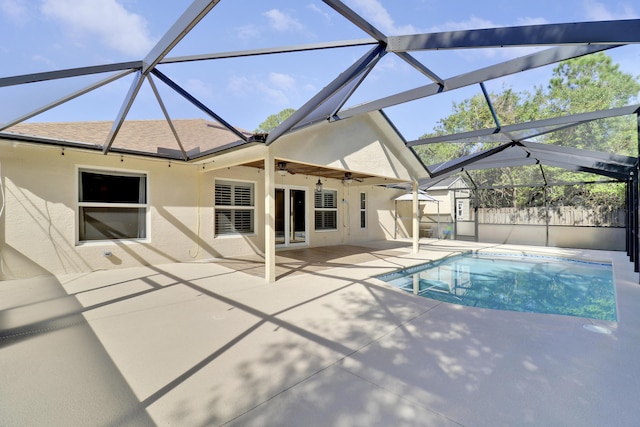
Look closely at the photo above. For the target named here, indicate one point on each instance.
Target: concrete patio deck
(211, 343)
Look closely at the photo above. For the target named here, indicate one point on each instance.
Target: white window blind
(234, 208)
(326, 210)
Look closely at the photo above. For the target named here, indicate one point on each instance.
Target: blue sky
(44, 35)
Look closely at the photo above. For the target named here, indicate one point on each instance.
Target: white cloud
(108, 20)
(597, 11)
(316, 9)
(282, 81)
(531, 21)
(42, 60)
(16, 11)
(239, 85)
(247, 32)
(277, 87)
(473, 23)
(283, 22)
(373, 11)
(199, 89)
(275, 96)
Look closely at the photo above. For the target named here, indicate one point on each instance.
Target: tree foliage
(579, 85)
(274, 120)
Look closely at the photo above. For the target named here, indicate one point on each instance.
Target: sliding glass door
(291, 216)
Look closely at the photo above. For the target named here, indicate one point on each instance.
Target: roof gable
(366, 144)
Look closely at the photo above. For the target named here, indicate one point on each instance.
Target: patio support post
(395, 220)
(633, 223)
(269, 219)
(416, 219)
(627, 228)
(634, 206)
(476, 211)
(547, 217)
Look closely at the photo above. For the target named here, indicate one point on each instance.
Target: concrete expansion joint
(25, 331)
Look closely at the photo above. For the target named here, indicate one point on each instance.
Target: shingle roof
(150, 136)
(446, 183)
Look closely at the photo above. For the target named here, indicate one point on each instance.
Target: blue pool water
(539, 284)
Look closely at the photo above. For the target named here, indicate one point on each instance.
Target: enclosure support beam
(416, 218)
(634, 222)
(546, 213)
(496, 120)
(185, 23)
(575, 33)
(535, 60)
(475, 213)
(124, 110)
(269, 219)
(355, 71)
(634, 206)
(627, 228)
(633, 219)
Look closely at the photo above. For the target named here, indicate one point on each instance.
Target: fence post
(627, 227)
(635, 243)
(546, 214)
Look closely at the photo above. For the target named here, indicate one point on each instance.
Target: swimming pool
(538, 284)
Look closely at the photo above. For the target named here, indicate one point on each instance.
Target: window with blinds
(234, 208)
(326, 210)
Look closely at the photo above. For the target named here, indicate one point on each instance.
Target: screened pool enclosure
(363, 64)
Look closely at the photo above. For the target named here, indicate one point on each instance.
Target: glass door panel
(290, 216)
(298, 220)
(280, 216)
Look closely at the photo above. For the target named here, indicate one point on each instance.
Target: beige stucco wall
(38, 226)
(599, 238)
(379, 211)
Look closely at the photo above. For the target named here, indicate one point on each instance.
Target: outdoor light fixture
(282, 168)
(318, 186)
(348, 178)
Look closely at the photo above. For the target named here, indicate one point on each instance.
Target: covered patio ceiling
(157, 72)
(293, 168)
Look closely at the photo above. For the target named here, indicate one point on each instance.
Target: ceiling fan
(348, 178)
(282, 169)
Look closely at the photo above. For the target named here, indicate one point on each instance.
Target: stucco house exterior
(84, 196)
(74, 209)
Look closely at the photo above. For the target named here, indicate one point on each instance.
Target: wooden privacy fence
(557, 215)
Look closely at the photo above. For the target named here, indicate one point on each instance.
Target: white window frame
(363, 210)
(80, 204)
(325, 209)
(460, 210)
(287, 212)
(232, 207)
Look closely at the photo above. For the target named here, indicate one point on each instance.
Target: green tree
(591, 83)
(474, 113)
(274, 120)
(584, 84)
